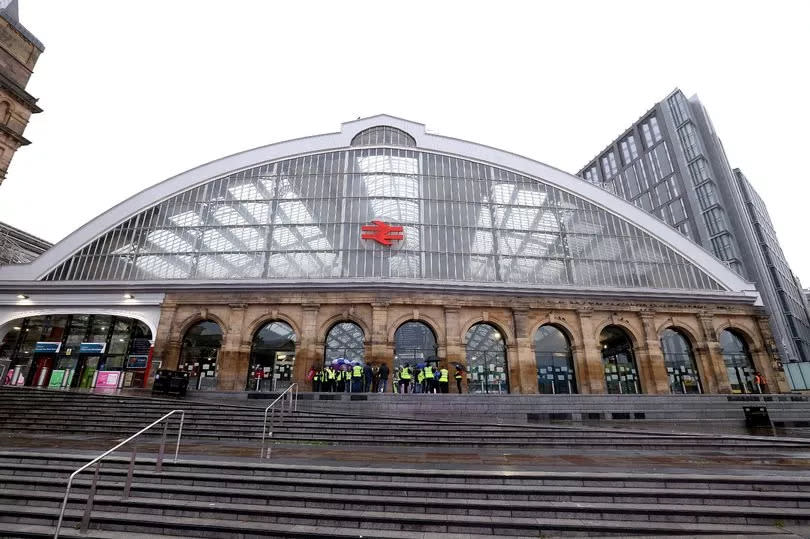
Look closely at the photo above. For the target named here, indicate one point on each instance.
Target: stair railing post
(89, 507)
(296, 397)
(179, 433)
(130, 471)
(162, 450)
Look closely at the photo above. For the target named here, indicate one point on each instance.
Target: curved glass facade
(462, 221)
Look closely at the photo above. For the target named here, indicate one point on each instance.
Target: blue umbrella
(420, 365)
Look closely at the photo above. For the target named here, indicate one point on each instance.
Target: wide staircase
(343, 475)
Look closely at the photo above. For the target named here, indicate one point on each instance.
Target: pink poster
(107, 379)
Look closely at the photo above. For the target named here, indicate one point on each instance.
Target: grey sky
(135, 92)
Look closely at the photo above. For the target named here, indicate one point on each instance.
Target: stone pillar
(308, 353)
(651, 364)
(715, 354)
(381, 351)
(167, 347)
(454, 349)
(232, 364)
(588, 358)
(522, 365)
(768, 361)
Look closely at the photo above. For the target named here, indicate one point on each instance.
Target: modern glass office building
(385, 244)
(672, 164)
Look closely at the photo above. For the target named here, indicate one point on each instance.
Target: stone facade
(19, 52)
(311, 315)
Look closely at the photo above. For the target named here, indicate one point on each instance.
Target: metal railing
(97, 461)
(292, 406)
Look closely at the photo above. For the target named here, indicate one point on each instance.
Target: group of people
(373, 378)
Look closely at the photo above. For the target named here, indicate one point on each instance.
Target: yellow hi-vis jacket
(357, 371)
(405, 373)
(443, 377)
(428, 372)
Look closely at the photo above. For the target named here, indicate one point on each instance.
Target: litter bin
(170, 383)
(756, 416)
(178, 384)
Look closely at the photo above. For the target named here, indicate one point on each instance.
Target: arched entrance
(555, 364)
(344, 344)
(739, 365)
(415, 346)
(621, 373)
(272, 355)
(76, 350)
(199, 354)
(680, 363)
(486, 360)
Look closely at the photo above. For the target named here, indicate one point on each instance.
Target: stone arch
(751, 342)
(567, 330)
(427, 320)
(680, 327)
(6, 322)
(262, 320)
(620, 323)
(500, 325)
(195, 318)
(330, 322)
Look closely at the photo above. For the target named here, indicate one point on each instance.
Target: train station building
(385, 244)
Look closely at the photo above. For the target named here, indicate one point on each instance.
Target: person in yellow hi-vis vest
(458, 375)
(430, 381)
(405, 378)
(444, 380)
(357, 378)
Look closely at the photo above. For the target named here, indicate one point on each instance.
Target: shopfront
(77, 351)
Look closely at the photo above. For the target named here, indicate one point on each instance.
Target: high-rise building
(672, 164)
(19, 51)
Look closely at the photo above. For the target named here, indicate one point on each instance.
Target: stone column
(652, 365)
(167, 347)
(715, 354)
(588, 358)
(232, 364)
(522, 366)
(769, 363)
(454, 349)
(307, 352)
(382, 351)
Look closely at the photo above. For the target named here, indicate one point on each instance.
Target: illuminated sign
(382, 232)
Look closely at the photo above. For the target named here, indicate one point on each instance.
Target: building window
(609, 167)
(629, 149)
(689, 142)
(739, 366)
(715, 221)
(345, 343)
(592, 175)
(706, 195)
(651, 131)
(723, 248)
(678, 211)
(415, 346)
(383, 135)
(679, 108)
(699, 170)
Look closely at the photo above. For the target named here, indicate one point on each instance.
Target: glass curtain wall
(272, 357)
(462, 221)
(621, 372)
(680, 363)
(199, 354)
(555, 364)
(739, 365)
(486, 360)
(346, 341)
(76, 350)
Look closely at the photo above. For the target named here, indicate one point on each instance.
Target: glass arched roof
(383, 135)
(463, 221)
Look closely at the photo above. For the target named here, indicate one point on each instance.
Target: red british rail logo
(382, 232)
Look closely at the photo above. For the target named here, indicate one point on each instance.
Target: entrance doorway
(486, 360)
(198, 356)
(272, 357)
(621, 373)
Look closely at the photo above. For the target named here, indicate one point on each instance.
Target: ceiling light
(129, 296)
(22, 296)
(18, 328)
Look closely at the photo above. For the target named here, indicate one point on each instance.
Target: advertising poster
(56, 378)
(108, 379)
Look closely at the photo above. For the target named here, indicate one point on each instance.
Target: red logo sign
(382, 232)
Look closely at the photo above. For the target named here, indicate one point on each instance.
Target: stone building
(383, 243)
(19, 51)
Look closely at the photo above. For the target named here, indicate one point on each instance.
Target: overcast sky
(135, 92)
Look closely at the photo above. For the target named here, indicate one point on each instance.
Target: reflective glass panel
(486, 360)
(555, 365)
(680, 363)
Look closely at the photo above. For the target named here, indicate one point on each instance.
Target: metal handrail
(97, 461)
(292, 406)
